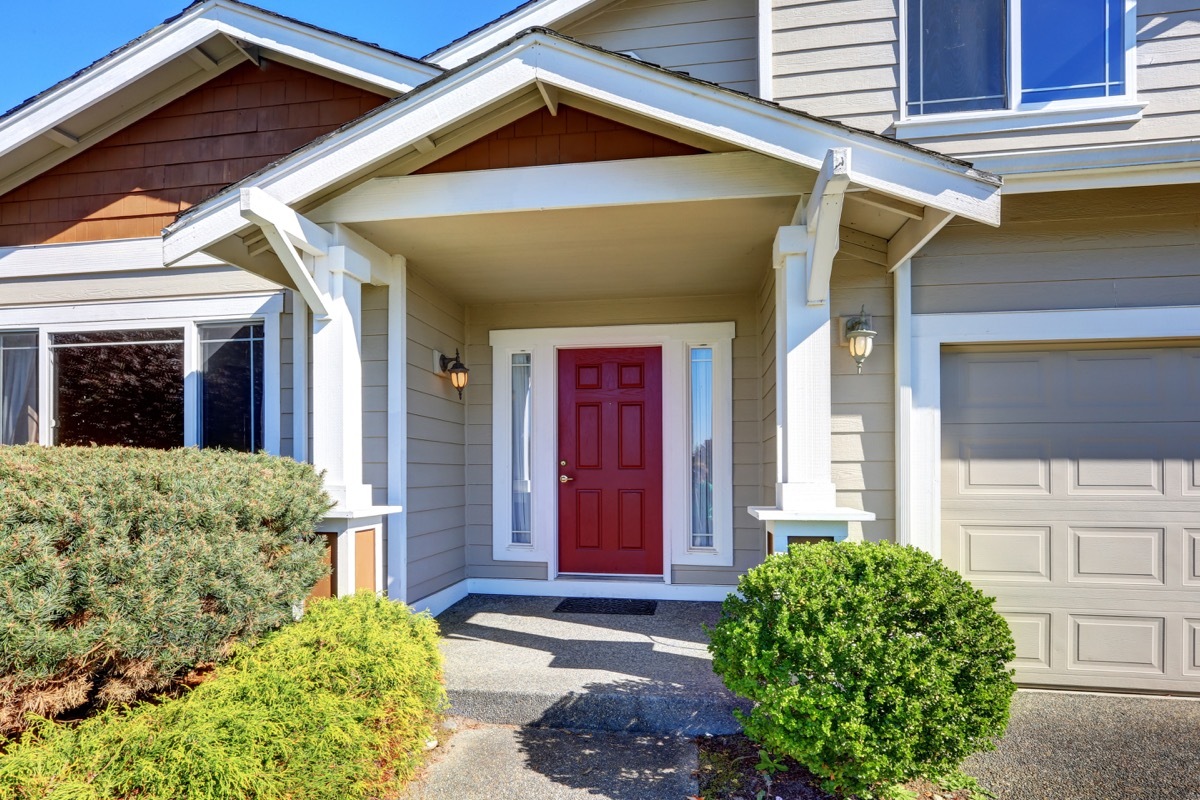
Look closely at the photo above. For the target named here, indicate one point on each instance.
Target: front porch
(550, 201)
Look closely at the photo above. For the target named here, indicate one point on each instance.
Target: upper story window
(1013, 54)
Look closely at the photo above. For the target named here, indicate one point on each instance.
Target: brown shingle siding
(133, 183)
(573, 136)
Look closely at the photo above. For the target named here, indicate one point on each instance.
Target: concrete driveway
(1063, 746)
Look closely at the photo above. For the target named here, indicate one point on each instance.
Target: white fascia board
(892, 168)
(77, 258)
(355, 60)
(671, 179)
(536, 15)
(1097, 167)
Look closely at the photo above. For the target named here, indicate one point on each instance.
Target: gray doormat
(606, 605)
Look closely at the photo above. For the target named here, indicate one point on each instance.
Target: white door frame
(919, 498)
(675, 341)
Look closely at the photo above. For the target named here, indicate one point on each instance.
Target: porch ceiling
(656, 250)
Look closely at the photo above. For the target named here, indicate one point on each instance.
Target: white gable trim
(892, 168)
(356, 61)
(544, 14)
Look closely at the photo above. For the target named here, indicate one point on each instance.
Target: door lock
(564, 479)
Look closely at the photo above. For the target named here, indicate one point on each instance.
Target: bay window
(1015, 55)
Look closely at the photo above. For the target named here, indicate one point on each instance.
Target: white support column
(396, 584)
(904, 400)
(802, 389)
(806, 497)
(337, 381)
(300, 333)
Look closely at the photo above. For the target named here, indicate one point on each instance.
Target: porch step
(513, 661)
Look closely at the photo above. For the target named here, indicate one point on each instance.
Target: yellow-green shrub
(122, 568)
(337, 706)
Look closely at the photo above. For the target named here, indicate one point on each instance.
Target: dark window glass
(231, 386)
(119, 388)
(1072, 49)
(957, 55)
(18, 388)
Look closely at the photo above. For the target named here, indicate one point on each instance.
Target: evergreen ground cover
(338, 706)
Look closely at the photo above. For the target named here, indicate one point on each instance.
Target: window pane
(231, 387)
(701, 443)
(522, 387)
(119, 388)
(18, 388)
(956, 55)
(1071, 48)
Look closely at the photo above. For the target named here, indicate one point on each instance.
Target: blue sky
(44, 41)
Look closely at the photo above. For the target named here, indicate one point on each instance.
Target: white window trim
(675, 340)
(919, 507)
(187, 314)
(1028, 116)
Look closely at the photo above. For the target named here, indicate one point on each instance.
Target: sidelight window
(522, 448)
(701, 444)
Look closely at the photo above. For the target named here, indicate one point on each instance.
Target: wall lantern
(859, 337)
(455, 369)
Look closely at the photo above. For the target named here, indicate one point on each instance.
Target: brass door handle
(564, 479)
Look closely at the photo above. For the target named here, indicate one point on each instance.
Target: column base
(357, 554)
(785, 525)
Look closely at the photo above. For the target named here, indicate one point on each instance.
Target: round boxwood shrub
(121, 569)
(870, 664)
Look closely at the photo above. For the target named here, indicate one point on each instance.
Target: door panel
(610, 443)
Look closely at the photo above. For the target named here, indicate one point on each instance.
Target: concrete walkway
(505, 762)
(513, 661)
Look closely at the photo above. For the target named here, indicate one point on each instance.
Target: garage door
(1071, 493)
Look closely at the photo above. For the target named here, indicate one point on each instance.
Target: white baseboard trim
(440, 601)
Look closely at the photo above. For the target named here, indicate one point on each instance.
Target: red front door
(610, 455)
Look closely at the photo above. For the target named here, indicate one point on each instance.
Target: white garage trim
(919, 499)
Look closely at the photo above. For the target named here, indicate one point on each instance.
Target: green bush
(121, 569)
(340, 705)
(870, 664)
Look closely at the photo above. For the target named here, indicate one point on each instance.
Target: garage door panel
(1117, 642)
(1117, 555)
(1073, 498)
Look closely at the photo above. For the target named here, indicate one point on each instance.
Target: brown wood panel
(134, 182)
(364, 560)
(571, 137)
(327, 586)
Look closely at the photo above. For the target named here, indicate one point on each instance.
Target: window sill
(937, 126)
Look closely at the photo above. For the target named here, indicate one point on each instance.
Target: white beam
(824, 220)
(203, 59)
(61, 137)
(284, 229)
(678, 179)
(424, 145)
(300, 231)
(549, 96)
(886, 203)
(913, 236)
(248, 50)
